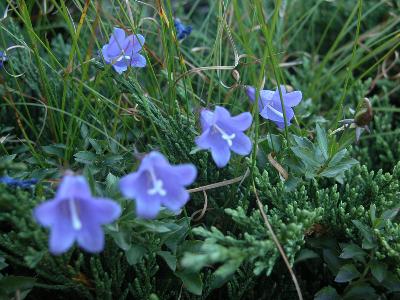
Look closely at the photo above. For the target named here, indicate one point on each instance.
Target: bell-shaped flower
(223, 133)
(158, 183)
(3, 58)
(270, 106)
(123, 51)
(75, 215)
(182, 31)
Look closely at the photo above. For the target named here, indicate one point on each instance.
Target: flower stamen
(227, 137)
(157, 185)
(76, 222)
(275, 111)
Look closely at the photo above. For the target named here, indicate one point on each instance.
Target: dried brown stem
(278, 245)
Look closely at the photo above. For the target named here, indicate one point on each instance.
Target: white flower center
(227, 137)
(76, 222)
(157, 185)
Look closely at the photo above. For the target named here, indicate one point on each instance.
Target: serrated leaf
(322, 141)
(339, 168)
(192, 282)
(169, 259)
(347, 273)
(351, 251)
(391, 282)
(305, 254)
(306, 156)
(327, 293)
(134, 254)
(85, 157)
(361, 291)
(379, 270)
(390, 214)
(366, 232)
(331, 260)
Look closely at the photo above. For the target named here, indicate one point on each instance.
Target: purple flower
(182, 31)
(22, 183)
(157, 183)
(123, 51)
(270, 106)
(223, 133)
(75, 215)
(3, 58)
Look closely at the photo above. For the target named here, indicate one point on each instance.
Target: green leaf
(306, 156)
(111, 159)
(111, 183)
(366, 232)
(391, 282)
(3, 263)
(379, 270)
(337, 157)
(305, 254)
(169, 259)
(56, 150)
(322, 141)
(85, 157)
(135, 254)
(390, 214)
(351, 251)
(327, 293)
(191, 281)
(331, 260)
(339, 168)
(361, 291)
(11, 284)
(347, 273)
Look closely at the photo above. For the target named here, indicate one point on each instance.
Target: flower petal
(136, 43)
(120, 69)
(100, 210)
(138, 61)
(117, 43)
(176, 199)
(206, 119)
(265, 96)
(221, 113)
(133, 185)
(104, 52)
(118, 35)
(241, 144)
(293, 98)
(91, 238)
(47, 213)
(185, 174)
(274, 113)
(72, 186)
(147, 207)
(240, 122)
(62, 235)
(221, 155)
(203, 141)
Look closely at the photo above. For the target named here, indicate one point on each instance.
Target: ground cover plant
(199, 149)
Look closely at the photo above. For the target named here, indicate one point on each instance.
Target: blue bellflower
(22, 183)
(157, 183)
(182, 31)
(270, 106)
(3, 58)
(74, 214)
(223, 133)
(123, 51)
